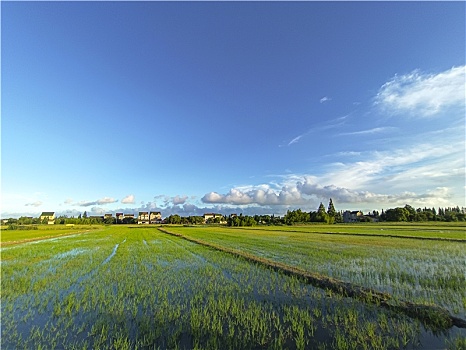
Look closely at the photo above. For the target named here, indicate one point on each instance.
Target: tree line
(321, 215)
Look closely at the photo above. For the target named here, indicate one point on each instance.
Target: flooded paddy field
(127, 288)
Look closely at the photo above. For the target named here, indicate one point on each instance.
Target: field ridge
(446, 239)
(432, 316)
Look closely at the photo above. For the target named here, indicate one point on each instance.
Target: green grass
(44, 231)
(137, 288)
(439, 230)
(423, 271)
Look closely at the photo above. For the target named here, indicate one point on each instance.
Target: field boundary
(364, 235)
(432, 316)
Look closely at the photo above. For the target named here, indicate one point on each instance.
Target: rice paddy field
(123, 287)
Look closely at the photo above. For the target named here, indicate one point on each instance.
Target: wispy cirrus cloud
(129, 199)
(33, 204)
(369, 131)
(423, 95)
(102, 201)
(325, 99)
(331, 124)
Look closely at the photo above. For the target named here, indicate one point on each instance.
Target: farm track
(371, 235)
(432, 316)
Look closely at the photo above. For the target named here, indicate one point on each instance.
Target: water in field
(144, 289)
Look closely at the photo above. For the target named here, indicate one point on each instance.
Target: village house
(143, 217)
(49, 216)
(212, 216)
(155, 217)
(352, 216)
(119, 217)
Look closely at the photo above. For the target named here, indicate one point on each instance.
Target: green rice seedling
(172, 293)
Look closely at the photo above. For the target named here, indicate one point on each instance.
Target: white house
(352, 216)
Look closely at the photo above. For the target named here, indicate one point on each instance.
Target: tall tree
(331, 209)
(321, 214)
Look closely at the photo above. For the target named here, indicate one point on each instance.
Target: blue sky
(253, 107)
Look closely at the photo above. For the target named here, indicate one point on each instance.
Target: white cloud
(325, 99)
(425, 174)
(34, 204)
(98, 211)
(296, 139)
(424, 95)
(179, 200)
(129, 199)
(102, 201)
(259, 195)
(369, 131)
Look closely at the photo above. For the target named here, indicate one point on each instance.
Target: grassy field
(9, 237)
(423, 271)
(138, 288)
(440, 230)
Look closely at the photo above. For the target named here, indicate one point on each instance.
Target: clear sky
(252, 107)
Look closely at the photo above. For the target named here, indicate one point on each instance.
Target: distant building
(119, 217)
(352, 216)
(106, 216)
(49, 216)
(155, 217)
(212, 217)
(143, 217)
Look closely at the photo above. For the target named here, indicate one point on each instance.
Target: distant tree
(109, 220)
(174, 219)
(338, 218)
(85, 215)
(411, 213)
(321, 215)
(331, 209)
(397, 214)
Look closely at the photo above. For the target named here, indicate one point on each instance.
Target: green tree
(174, 219)
(321, 215)
(109, 220)
(397, 214)
(331, 212)
(331, 209)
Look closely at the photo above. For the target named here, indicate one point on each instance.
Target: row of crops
(139, 288)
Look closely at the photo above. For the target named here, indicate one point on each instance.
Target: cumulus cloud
(426, 175)
(423, 95)
(169, 200)
(262, 195)
(34, 204)
(102, 201)
(179, 200)
(129, 199)
(98, 211)
(306, 194)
